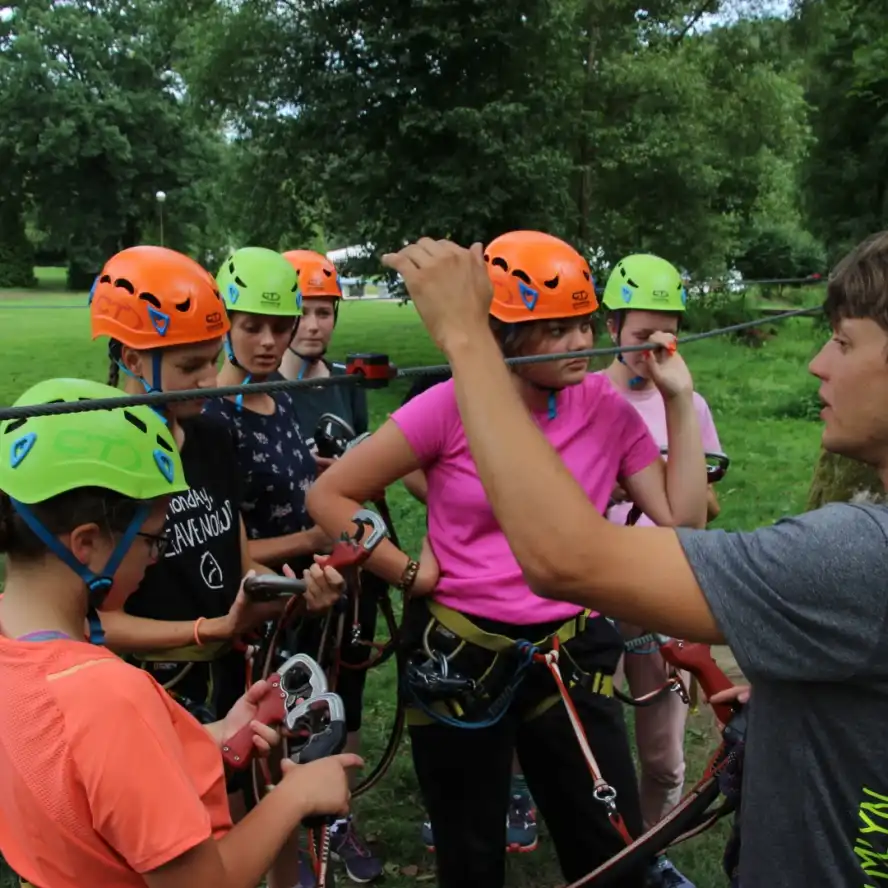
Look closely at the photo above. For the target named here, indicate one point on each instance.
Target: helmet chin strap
(229, 350)
(551, 392)
(98, 584)
(150, 387)
(635, 382)
(307, 361)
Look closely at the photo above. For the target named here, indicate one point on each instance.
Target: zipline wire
(154, 399)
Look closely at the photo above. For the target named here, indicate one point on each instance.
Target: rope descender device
(353, 550)
(295, 684)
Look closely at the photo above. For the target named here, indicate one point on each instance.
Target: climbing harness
(695, 813)
(457, 673)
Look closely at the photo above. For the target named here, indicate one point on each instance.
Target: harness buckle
(677, 686)
(605, 794)
(432, 679)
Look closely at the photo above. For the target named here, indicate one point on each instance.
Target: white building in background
(353, 287)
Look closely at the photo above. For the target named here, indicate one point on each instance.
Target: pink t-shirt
(652, 409)
(598, 436)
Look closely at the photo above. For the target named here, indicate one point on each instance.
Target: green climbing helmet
(645, 282)
(260, 281)
(128, 450)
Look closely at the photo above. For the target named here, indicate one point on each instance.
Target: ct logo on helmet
(118, 310)
(214, 321)
(100, 447)
(271, 296)
(580, 300)
(660, 296)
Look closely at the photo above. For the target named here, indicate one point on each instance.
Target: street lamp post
(160, 197)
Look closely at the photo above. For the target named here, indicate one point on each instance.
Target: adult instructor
(803, 603)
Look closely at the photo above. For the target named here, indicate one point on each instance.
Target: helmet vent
(134, 420)
(521, 275)
(14, 425)
(183, 306)
(105, 279)
(165, 444)
(126, 285)
(150, 297)
(239, 282)
(500, 263)
(553, 283)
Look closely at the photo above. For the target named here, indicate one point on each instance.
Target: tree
(96, 121)
(616, 126)
(846, 179)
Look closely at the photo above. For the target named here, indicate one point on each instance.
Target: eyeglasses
(158, 543)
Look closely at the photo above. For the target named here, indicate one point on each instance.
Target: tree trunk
(838, 479)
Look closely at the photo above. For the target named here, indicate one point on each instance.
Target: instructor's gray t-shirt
(804, 606)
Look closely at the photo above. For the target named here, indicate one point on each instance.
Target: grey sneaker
(663, 874)
(521, 827)
(427, 838)
(346, 846)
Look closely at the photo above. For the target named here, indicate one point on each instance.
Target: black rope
(154, 399)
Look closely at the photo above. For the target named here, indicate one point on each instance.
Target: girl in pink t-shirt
(645, 294)
(466, 577)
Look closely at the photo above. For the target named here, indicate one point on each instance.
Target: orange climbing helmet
(538, 277)
(150, 297)
(318, 278)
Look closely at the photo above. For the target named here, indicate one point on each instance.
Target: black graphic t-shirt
(276, 467)
(201, 572)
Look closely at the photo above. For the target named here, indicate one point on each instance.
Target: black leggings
(464, 776)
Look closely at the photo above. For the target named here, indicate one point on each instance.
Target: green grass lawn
(758, 398)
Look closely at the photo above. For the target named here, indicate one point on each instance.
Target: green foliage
(96, 121)
(846, 187)
(383, 122)
(16, 253)
(714, 309)
(781, 251)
